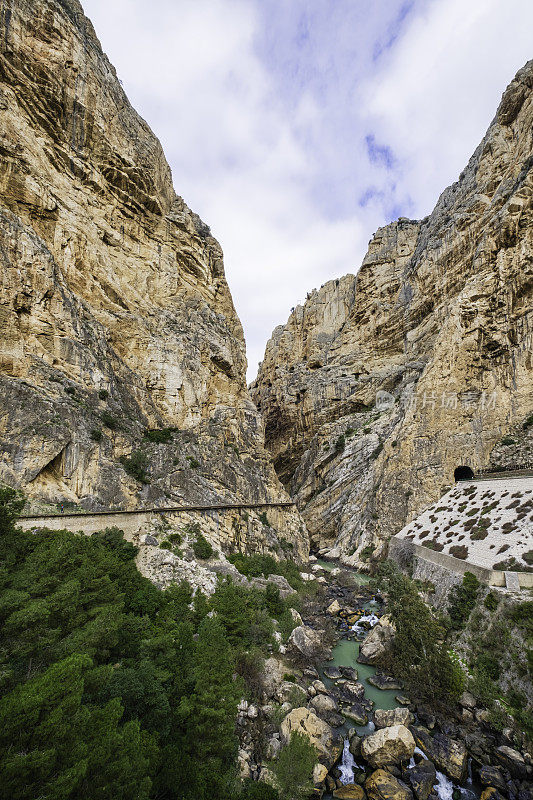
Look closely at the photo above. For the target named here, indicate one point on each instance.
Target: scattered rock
(357, 713)
(352, 791)
(324, 704)
(319, 733)
(381, 785)
(333, 673)
(450, 755)
(319, 774)
(334, 608)
(384, 682)
(350, 692)
(388, 746)
(306, 641)
(378, 643)
(349, 672)
(492, 776)
(512, 760)
(422, 777)
(402, 700)
(147, 539)
(397, 716)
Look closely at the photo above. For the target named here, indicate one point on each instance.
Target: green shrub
(202, 548)
(264, 519)
(529, 422)
(109, 420)
(491, 602)
(96, 435)
(507, 440)
(462, 600)
(257, 565)
(166, 545)
(340, 444)
(294, 767)
(419, 656)
(135, 465)
(70, 390)
(366, 552)
(158, 435)
(193, 462)
(103, 394)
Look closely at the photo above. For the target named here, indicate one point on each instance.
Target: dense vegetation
(420, 656)
(111, 688)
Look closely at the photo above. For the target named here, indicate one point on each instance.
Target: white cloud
(439, 88)
(263, 107)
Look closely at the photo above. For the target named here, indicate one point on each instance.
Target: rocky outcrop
(380, 385)
(122, 359)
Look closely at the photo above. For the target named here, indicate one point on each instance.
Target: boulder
(396, 716)
(149, 540)
(332, 672)
(381, 785)
(349, 672)
(512, 760)
(450, 755)
(384, 682)
(492, 776)
(334, 608)
(319, 687)
(378, 643)
(357, 713)
(350, 692)
(324, 704)
(388, 746)
(319, 733)
(273, 672)
(422, 777)
(306, 641)
(491, 793)
(352, 791)
(467, 700)
(273, 749)
(319, 774)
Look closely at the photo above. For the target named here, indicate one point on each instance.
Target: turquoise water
(357, 576)
(345, 655)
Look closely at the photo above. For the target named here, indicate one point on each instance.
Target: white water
(371, 619)
(444, 786)
(347, 764)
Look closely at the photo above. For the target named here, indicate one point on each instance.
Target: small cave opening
(463, 473)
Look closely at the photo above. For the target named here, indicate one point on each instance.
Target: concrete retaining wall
(442, 563)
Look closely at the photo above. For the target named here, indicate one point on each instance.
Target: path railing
(159, 510)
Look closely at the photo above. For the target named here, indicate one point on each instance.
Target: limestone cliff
(381, 384)
(115, 313)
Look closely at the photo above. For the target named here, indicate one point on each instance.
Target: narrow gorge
(318, 586)
(383, 383)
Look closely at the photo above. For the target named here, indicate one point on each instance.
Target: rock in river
(381, 785)
(378, 643)
(396, 716)
(388, 746)
(422, 777)
(352, 791)
(384, 682)
(450, 755)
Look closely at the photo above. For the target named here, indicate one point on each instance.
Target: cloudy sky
(295, 128)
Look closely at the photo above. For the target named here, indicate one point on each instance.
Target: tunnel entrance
(463, 473)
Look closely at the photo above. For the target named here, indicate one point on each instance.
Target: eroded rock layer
(382, 384)
(115, 313)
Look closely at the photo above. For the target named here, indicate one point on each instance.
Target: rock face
(380, 385)
(115, 312)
